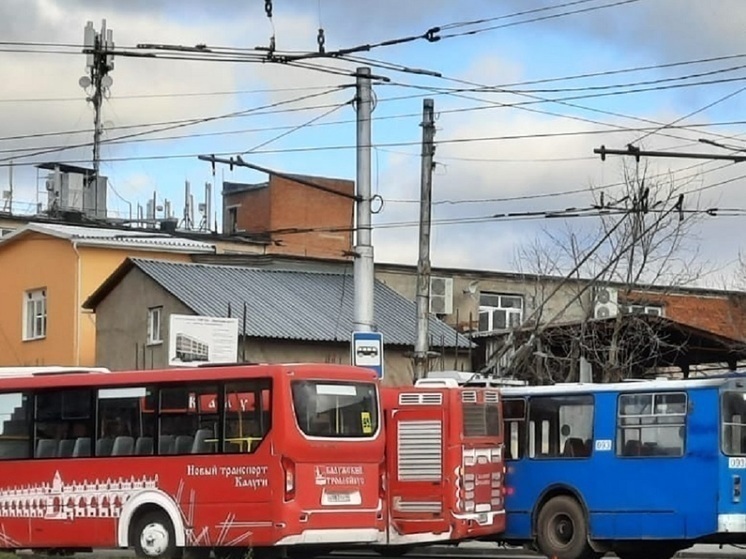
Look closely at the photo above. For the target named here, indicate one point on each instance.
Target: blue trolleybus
(641, 468)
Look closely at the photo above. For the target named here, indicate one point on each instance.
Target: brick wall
(723, 314)
(323, 220)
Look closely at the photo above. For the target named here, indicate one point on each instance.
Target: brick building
(300, 215)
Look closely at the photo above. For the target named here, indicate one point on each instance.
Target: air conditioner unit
(605, 302)
(441, 295)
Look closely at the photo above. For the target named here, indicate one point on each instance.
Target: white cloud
(636, 34)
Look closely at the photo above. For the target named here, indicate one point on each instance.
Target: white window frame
(35, 314)
(636, 308)
(441, 303)
(155, 325)
(513, 314)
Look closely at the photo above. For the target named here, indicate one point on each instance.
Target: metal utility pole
(363, 265)
(423, 263)
(635, 152)
(99, 62)
(8, 194)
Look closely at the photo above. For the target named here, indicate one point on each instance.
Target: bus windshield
(336, 409)
(733, 405)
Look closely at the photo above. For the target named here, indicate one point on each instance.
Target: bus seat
(631, 448)
(144, 446)
(82, 447)
(649, 449)
(184, 444)
(65, 448)
(166, 444)
(574, 447)
(123, 446)
(201, 446)
(46, 448)
(104, 446)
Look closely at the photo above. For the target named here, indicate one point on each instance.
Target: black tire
(153, 536)
(561, 529)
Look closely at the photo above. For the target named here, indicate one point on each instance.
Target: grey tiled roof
(291, 305)
(117, 238)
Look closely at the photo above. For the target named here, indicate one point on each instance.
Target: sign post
(367, 351)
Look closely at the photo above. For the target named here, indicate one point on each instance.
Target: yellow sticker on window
(366, 422)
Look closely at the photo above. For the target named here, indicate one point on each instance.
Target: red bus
(216, 458)
(444, 465)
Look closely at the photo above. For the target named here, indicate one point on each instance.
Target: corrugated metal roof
(294, 305)
(119, 238)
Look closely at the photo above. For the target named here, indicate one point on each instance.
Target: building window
(441, 295)
(155, 336)
(499, 312)
(35, 314)
(655, 310)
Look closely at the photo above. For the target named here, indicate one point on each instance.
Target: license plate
(338, 497)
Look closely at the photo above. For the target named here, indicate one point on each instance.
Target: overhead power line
(179, 125)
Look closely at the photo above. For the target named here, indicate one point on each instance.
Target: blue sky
(41, 95)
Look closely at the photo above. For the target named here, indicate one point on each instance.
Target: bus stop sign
(367, 351)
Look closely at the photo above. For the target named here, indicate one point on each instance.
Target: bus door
(731, 501)
(415, 465)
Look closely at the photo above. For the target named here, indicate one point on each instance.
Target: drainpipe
(77, 305)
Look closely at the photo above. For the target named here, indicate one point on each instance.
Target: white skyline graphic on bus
(64, 501)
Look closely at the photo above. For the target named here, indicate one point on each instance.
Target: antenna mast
(99, 62)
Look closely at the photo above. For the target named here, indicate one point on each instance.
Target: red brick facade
(298, 219)
(721, 313)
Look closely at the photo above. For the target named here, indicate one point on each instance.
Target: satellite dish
(84, 82)
(106, 81)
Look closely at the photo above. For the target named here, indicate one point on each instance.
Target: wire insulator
(321, 40)
(268, 8)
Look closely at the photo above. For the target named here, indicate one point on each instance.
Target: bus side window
(188, 419)
(15, 415)
(248, 415)
(514, 412)
(560, 425)
(651, 424)
(126, 421)
(61, 417)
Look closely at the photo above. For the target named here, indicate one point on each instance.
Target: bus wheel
(154, 536)
(561, 529)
